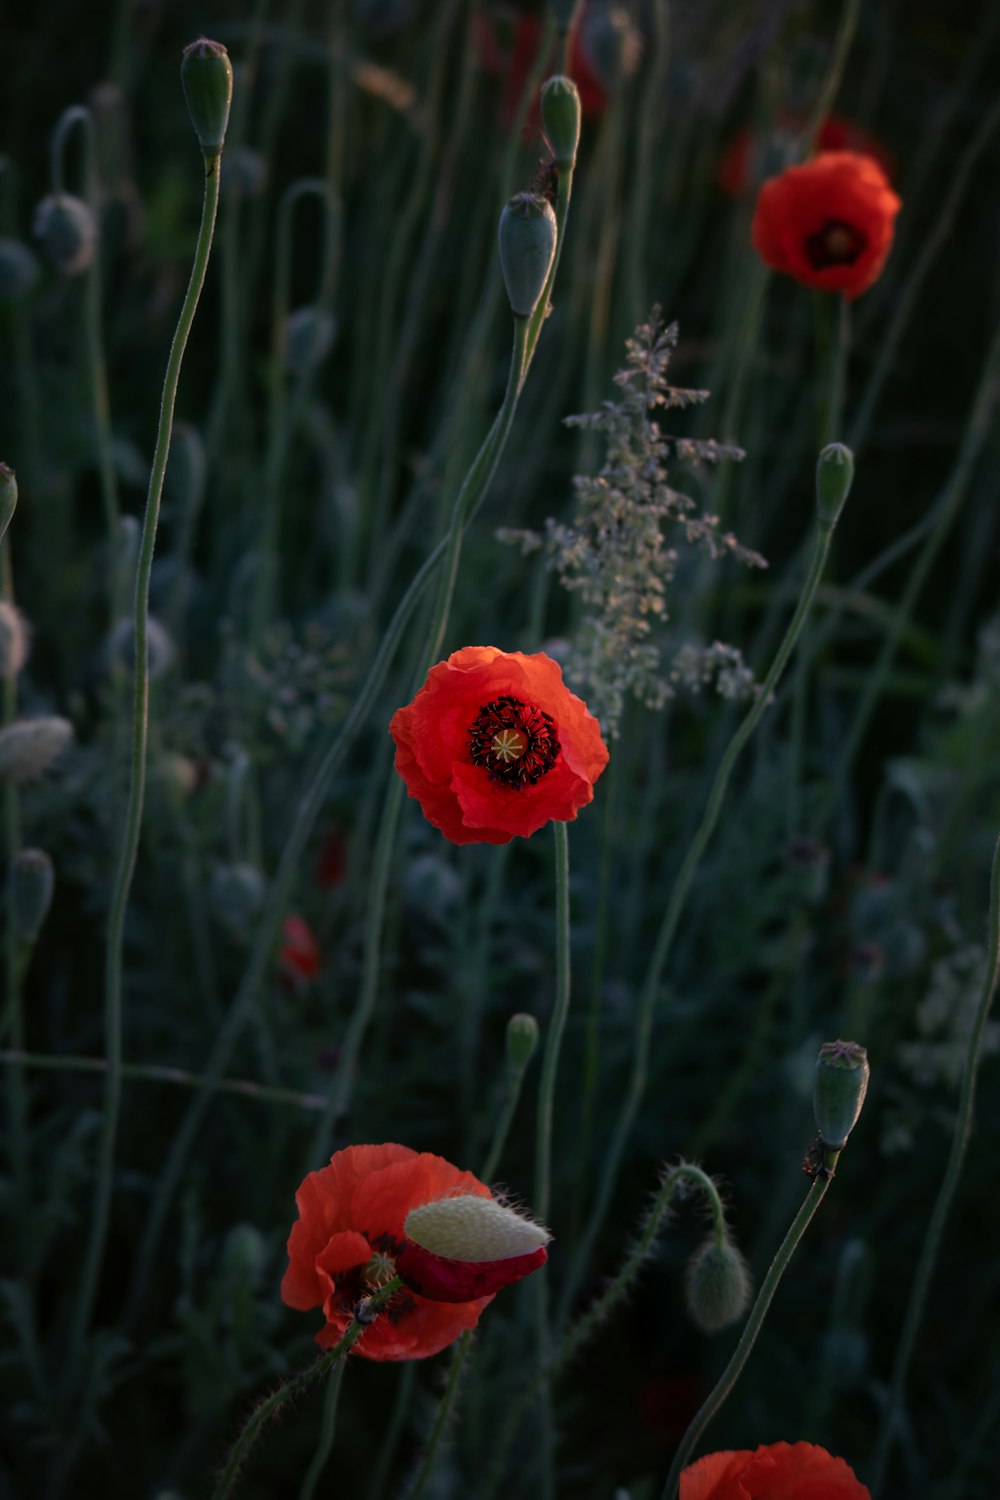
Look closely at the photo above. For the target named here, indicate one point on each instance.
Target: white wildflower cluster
(614, 553)
(697, 667)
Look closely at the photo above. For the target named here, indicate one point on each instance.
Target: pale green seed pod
(527, 250)
(718, 1285)
(834, 477)
(207, 80)
(32, 883)
(8, 497)
(67, 232)
(840, 1084)
(561, 115)
(19, 270)
(522, 1039)
(307, 339)
(13, 639)
(30, 747)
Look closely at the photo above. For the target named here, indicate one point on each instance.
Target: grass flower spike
(828, 223)
(777, 1471)
(377, 1212)
(495, 745)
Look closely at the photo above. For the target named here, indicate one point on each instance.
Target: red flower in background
(299, 955)
(835, 134)
(777, 1471)
(513, 61)
(360, 1220)
(495, 745)
(828, 223)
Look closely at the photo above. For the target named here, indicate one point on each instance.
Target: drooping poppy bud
(32, 884)
(64, 227)
(522, 1039)
(834, 477)
(840, 1083)
(718, 1285)
(527, 249)
(468, 1246)
(561, 114)
(207, 80)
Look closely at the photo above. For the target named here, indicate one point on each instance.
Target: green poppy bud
(65, 228)
(8, 497)
(561, 118)
(308, 337)
(718, 1285)
(32, 884)
(18, 270)
(839, 1087)
(834, 477)
(207, 80)
(527, 249)
(522, 1039)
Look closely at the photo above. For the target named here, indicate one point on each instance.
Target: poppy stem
(83, 1305)
(942, 1205)
(261, 1415)
(325, 1443)
(730, 1375)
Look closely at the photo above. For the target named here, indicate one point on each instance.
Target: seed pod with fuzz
(834, 477)
(840, 1084)
(18, 270)
(30, 747)
(561, 118)
(65, 228)
(718, 1285)
(207, 80)
(465, 1247)
(13, 639)
(32, 884)
(8, 497)
(527, 250)
(522, 1039)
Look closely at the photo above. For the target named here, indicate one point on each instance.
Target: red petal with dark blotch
(443, 1280)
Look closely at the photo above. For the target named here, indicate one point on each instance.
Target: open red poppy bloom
(514, 62)
(777, 1471)
(495, 744)
(299, 955)
(381, 1211)
(836, 133)
(828, 223)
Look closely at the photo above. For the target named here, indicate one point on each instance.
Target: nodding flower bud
(718, 1285)
(522, 1039)
(839, 1087)
(18, 270)
(65, 228)
(207, 80)
(527, 250)
(561, 118)
(308, 337)
(32, 884)
(29, 747)
(13, 639)
(8, 497)
(834, 477)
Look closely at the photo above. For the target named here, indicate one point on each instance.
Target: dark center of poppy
(514, 742)
(836, 244)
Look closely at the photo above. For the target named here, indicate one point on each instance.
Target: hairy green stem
(946, 1192)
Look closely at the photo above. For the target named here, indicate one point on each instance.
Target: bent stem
(946, 1192)
(137, 780)
(262, 1414)
(748, 1338)
(678, 899)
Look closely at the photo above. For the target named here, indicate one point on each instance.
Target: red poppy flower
(380, 1211)
(836, 133)
(777, 1471)
(514, 62)
(828, 223)
(299, 954)
(495, 744)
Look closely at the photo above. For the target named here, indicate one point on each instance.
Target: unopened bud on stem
(718, 1285)
(522, 1039)
(834, 477)
(207, 80)
(561, 119)
(839, 1087)
(527, 249)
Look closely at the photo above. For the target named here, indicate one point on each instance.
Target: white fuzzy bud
(473, 1229)
(30, 747)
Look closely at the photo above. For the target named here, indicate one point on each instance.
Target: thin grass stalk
(831, 82)
(946, 1192)
(83, 1305)
(247, 1088)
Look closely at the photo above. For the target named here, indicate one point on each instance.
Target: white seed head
(13, 639)
(30, 747)
(473, 1228)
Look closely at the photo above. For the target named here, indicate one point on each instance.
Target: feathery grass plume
(614, 553)
(30, 747)
(65, 228)
(13, 639)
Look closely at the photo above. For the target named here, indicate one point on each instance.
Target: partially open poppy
(382, 1211)
(495, 745)
(829, 223)
(777, 1471)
